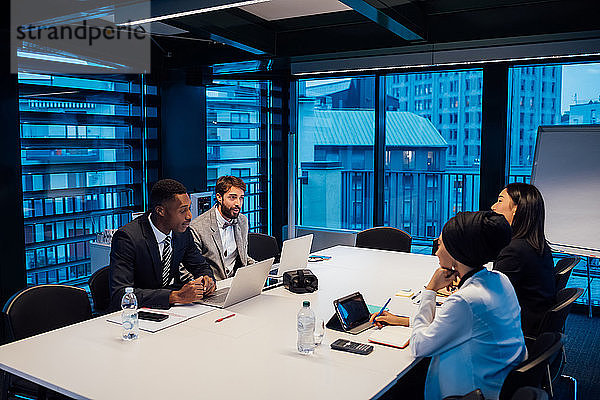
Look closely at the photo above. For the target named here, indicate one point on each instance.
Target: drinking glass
(319, 331)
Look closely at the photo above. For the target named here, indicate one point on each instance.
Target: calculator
(352, 347)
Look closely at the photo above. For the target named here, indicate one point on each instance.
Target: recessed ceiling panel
(281, 9)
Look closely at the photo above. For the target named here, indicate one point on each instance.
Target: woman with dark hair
(474, 339)
(527, 260)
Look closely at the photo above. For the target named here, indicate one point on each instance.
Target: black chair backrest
(562, 271)
(262, 247)
(532, 371)
(554, 319)
(42, 308)
(530, 393)
(476, 394)
(384, 238)
(100, 288)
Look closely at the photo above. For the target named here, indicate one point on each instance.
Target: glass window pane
(336, 134)
(432, 149)
(238, 134)
(551, 94)
(80, 145)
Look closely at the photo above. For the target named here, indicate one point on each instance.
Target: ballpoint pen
(382, 308)
(225, 317)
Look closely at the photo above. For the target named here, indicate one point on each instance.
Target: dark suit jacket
(135, 261)
(532, 277)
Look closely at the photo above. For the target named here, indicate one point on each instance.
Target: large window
(336, 128)
(431, 155)
(432, 149)
(549, 94)
(87, 148)
(238, 139)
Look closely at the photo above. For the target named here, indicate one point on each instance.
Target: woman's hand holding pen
(387, 318)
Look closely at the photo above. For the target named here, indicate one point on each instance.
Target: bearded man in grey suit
(221, 233)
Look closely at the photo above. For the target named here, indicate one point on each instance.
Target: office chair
(554, 321)
(535, 371)
(36, 310)
(43, 308)
(99, 284)
(530, 393)
(524, 393)
(262, 247)
(474, 395)
(384, 238)
(562, 271)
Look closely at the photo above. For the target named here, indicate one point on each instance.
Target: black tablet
(353, 313)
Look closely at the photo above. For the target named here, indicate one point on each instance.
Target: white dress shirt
(230, 251)
(160, 239)
(474, 338)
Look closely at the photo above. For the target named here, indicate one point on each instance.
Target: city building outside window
(336, 117)
(83, 166)
(239, 109)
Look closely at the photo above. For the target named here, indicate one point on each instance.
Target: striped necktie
(166, 261)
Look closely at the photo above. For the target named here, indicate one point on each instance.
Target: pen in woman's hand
(382, 309)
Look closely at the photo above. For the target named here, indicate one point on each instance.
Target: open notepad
(394, 336)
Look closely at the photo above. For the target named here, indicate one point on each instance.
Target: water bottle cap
(129, 290)
(306, 303)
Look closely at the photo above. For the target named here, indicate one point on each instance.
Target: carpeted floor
(583, 356)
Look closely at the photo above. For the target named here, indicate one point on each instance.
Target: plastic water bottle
(129, 315)
(306, 329)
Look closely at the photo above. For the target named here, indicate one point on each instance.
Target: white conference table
(252, 355)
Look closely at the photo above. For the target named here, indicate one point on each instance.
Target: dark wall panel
(183, 132)
(12, 266)
(493, 133)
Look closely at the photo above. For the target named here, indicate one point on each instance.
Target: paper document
(177, 313)
(394, 336)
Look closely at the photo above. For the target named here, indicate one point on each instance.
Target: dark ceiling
(437, 21)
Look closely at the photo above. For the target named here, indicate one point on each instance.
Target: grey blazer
(208, 240)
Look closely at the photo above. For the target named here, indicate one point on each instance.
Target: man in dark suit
(146, 253)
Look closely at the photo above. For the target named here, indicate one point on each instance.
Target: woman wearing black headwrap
(475, 337)
(527, 260)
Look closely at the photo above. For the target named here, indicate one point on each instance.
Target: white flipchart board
(566, 170)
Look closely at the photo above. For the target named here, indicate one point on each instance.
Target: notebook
(393, 336)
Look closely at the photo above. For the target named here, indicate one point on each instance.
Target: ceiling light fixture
(192, 12)
(446, 64)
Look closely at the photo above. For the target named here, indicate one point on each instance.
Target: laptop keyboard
(218, 296)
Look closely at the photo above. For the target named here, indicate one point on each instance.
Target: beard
(229, 212)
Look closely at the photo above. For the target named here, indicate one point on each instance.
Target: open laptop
(247, 282)
(294, 254)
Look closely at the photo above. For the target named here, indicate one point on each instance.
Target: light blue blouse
(474, 338)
